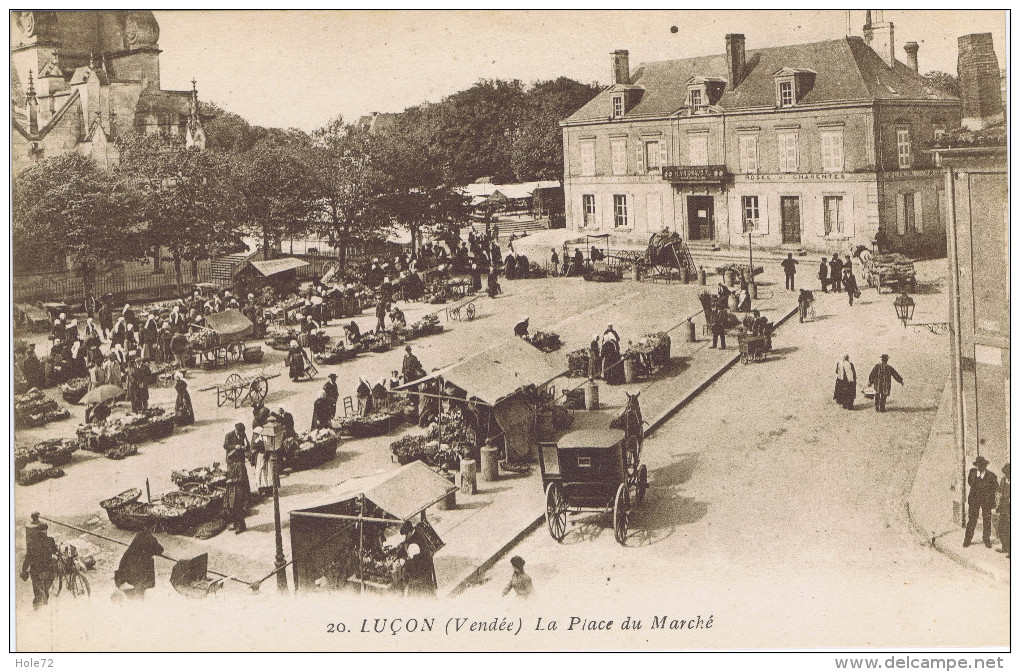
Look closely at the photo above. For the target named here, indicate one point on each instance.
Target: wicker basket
(252, 355)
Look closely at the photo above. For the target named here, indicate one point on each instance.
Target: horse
(632, 424)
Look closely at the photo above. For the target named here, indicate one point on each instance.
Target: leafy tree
(186, 198)
(348, 208)
(69, 205)
(274, 193)
(538, 152)
(416, 191)
(942, 81)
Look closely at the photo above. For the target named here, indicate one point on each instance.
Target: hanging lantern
(904, 306)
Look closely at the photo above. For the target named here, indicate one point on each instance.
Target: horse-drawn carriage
(596, 468)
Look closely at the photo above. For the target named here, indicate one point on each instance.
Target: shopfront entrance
(700, 217)
(790, 212)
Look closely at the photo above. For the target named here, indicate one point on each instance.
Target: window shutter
(848, 214)
(901, 224)
(763, 214)
(819, 209)
(662, 153)
(641, 157)
(918, 209)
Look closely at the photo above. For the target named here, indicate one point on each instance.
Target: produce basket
(252, 355)
(121, 450)
(36, 472)
(577, 363)
(56, 452)
(73, 390)
(133, 517)
(311, 455)
(359, 427)
(199, 508)
(574, 399)
(546, 341)
(123, 499)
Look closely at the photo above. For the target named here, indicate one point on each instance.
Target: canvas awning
(274, 266)
(500, 371)
(229, 323)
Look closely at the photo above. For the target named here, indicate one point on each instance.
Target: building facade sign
(795, 177)
(694, 174)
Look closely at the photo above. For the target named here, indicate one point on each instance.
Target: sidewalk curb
(935, 541)
(470, 577)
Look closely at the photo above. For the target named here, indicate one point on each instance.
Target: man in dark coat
(719, 329)
(105, 317)
(321, 410)
(411, 369)
(790, 269)
(983, 484)
(184, 411)
(823, 275)
(39, 563)
(850, 285)
(295, 361)
(32, 369)
(332, 392)
(880, 379)
(836, 273)
(1003, 527)
(137, 570)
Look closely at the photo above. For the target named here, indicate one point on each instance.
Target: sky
(302, 68)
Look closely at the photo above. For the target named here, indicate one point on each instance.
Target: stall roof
(228, 322)
(274, 266)
(497, 372)
(402, 494)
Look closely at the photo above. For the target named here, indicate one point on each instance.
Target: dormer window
(618, 106)
(785, 94)
(703, 92)
(792, 84)
(696, 101)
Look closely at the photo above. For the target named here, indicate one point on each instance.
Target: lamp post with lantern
(904, 306)
(273, 437)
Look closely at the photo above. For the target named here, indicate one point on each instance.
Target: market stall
(344, 543)
(280, 274)
(221, 340)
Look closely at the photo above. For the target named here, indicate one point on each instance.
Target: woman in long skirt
(183, 408)
(846, 383)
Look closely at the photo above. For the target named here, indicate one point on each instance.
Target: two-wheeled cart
(462, 309)
(242, 390)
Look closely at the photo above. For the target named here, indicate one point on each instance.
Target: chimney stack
(879, 36)
(621, 66)
(735, 58)
(911, 49)
(978, 72)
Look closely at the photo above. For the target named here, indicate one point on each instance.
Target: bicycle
(70, 572)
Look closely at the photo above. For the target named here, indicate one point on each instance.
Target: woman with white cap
(364, 394)
(263, 480)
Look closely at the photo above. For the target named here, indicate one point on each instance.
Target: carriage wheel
(642, 484)
(555, 511)
(233, 387)
(620, 511)
(470, 311)
(257, 390)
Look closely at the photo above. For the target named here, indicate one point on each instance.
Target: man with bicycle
(40, 563)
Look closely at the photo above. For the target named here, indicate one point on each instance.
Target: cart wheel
(620, 511)
(555, 511)
(257, 390)
(642, 484)
(233, 387)
(470, 311)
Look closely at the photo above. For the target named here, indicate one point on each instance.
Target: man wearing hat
(880, 380)
(332, 392)
(983, 485)
(411, 368)
(235, 501)
(323, 410)
(39, 563)
(1003, 527)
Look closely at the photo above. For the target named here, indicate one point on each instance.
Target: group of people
(835, 273)
(879, 381)
(605, 359)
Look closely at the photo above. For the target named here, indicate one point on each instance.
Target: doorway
(790, 211)
(700, 217)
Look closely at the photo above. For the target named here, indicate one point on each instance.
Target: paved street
(782, 514)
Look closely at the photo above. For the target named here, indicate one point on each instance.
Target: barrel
(629, 370)
(468, 477)
(591, 397)
(449, 502)
(684, 277)
(752, 289)
(490, 463)
(702, 276)
(637, 272)
(690, 333)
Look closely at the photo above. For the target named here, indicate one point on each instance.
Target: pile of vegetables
(577, 363)
(313, 448)
(203, 340)
(74, 389)
(279, 339)
(614, 274)
(336, 354)
(375, 424)
(426, 326)
(546, 341)
(441, 446)
(34, 409)
(36, 472)
(377, 341)
(437, 291)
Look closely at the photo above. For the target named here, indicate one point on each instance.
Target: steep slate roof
(848, 69)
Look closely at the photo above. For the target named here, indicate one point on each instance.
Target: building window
(939, 131)
(619, 148)
(832, 151)
(834, 223)
(785, 94)
(788, 159)
(903, 147)
(697, 104)
(588, 207)
(651, 149)
(620, 210)
(906, 217)
(749, 205)
(588, 158)
(697, 146)
(748, 153)
(617, 107)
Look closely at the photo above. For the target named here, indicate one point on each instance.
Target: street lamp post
(273, 439)
(904, 306)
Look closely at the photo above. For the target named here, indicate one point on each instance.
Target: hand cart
(241, 390)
